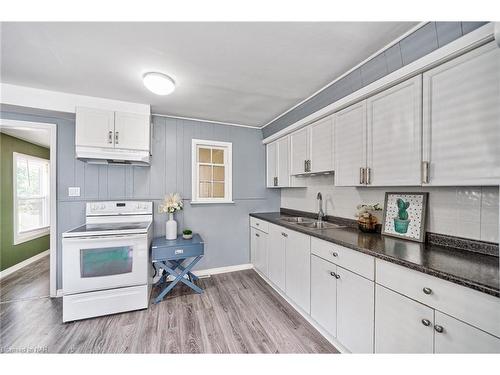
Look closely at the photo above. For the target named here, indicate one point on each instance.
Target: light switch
(73, 192)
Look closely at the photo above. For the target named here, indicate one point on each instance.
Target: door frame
(52, 129)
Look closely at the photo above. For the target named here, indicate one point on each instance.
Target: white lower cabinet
(258, 249)
(298, 269)
(401, 324)
(453, 336)
(276, 255)
(355, 311)
(324, 294)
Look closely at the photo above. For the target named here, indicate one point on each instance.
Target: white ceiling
(39, 137)
(245, 73)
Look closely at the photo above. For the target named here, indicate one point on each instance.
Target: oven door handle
(108, 237)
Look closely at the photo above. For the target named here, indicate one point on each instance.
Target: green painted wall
(10, 254)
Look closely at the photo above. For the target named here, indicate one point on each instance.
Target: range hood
(96, 155)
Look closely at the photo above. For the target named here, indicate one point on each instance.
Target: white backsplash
(470, 212)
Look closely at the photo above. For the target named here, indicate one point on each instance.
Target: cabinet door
(400, 324)
(349, 144)
(394, 135)
(299, 151)
(271, 161)
(297, 270)
(461, 119)
(321, 145)
(132, 131)
(258, 244)
(94, 128)
(355, 311)
(283, 171)
(276, 256)
(459, 337)
(324, 294)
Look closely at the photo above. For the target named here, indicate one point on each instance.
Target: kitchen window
(211, 172)
(31, 197)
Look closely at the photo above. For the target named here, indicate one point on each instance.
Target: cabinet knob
(284, 234)
(333, 274)
(426, 322)
(427, 290)
(257, 235)
(335, 254)
(337, 276)
(438, 328)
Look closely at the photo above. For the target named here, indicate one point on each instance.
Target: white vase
(171, 228)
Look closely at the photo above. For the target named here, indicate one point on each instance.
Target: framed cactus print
(404, 215)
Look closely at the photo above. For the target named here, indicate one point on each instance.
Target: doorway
(28, 210)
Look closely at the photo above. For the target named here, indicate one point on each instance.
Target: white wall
(470, 212)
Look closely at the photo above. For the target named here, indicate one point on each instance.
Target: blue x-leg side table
(170, 255)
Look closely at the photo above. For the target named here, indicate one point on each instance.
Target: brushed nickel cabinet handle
(275, 181)
(110, 137)
(368, 179)
(425, 172)
(284, 234)
(305, 165)
(426, 322)
(361, 175)
(117, 134)
(438, 328)
(427, 290)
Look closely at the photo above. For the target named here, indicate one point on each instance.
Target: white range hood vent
(95, 155)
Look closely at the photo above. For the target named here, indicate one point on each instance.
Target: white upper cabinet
(321, 146)
(132, 131)
(394, 127)
(461, 116)
(311, 148)
(350, 145)
(95, 128)
(298, 269)
(299, 151)
(272, 164)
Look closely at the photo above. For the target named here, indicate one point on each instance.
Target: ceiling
(39, 137)
(244, 73)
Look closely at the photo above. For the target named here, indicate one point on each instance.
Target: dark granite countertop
(472, 270)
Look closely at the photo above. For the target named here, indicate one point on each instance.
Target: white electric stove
(105, 262)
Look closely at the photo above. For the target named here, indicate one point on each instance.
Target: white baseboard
(215, 271)
(24, 263)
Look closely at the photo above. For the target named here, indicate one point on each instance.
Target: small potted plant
(401, 222)
(187, 234)
(367, 221)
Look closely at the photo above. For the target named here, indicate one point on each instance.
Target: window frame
(195, 171)
(21, 237)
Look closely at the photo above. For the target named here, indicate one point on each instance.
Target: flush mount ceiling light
(158, 83)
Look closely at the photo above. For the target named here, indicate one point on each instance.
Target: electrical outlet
(73, 192)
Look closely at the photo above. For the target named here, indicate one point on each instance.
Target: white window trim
(228, 172)
(35, 233)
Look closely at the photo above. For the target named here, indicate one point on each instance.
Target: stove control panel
(119, 208)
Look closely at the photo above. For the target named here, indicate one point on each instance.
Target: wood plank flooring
(238, 313)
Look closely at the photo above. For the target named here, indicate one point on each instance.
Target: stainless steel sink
(297, 219)
(321, 225)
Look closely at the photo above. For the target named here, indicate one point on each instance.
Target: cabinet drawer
(476, 308)
(259, 224)
(352, 260)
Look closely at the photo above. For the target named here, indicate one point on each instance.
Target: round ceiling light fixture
(158, 83)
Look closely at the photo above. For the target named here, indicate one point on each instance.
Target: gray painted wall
(223, 226)
(416, 45)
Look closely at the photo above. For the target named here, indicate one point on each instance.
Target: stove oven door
(104, 262)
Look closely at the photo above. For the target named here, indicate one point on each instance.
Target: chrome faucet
(321, 214)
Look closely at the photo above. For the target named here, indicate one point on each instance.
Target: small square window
(211, 172)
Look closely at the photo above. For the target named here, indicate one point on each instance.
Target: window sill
(212, 202)
(20, 238)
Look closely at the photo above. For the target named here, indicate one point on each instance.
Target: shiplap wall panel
(416, 45)
(223, 227)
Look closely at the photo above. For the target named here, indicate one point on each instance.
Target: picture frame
(405, 215)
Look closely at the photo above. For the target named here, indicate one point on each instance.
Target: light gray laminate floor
(238, 313)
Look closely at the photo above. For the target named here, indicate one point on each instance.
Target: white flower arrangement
(365, 210)
(171, 204)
